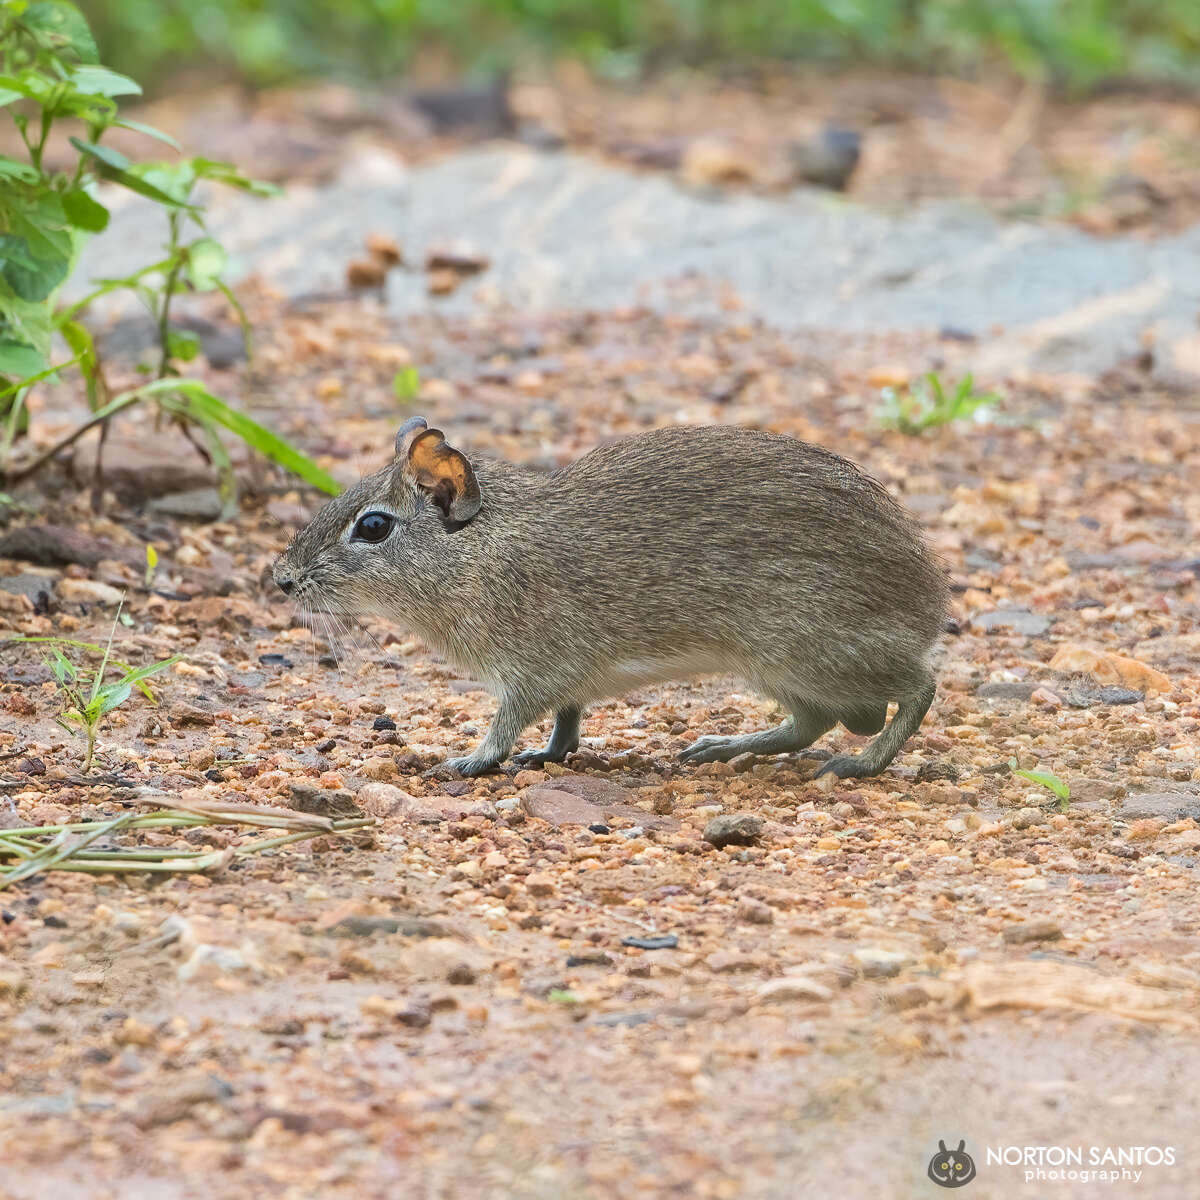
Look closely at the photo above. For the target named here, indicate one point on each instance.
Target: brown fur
(671, 554)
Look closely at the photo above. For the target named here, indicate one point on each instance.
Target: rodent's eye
(372, 527)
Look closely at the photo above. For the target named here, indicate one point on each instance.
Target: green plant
(151, 566)
(926, 404)
(406, 385)
(1046, 779)
(51, 74)
(86, 702)
(1076, 41)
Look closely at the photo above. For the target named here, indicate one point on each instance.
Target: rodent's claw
(537, 758)
(846, 766)
(709, 748)
(468, 767)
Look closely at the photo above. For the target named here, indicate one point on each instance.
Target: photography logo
(952, 1168)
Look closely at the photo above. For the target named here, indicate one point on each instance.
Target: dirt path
(451, 1007)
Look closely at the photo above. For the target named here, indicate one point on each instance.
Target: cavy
(668, 555)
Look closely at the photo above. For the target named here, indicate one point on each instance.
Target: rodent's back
(718, 541)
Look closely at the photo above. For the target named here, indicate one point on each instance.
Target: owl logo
(952, 1168)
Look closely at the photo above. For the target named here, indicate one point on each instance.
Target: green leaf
(104, 155)
(100, 81)
(203, 404)
(62, 668)
(84, 212)
(29, 85)
(228, 174)
(113, 695)
(114, 166)
(10, 168)
(80, 340)
(407, 384)
(21, 362)
(140, 673)
(148, 130)
(1046, 779)
(206, 261)
(62, 25)
(31, 276)
(29, 380)
(182, 344)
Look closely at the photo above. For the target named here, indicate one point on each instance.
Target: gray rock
(171, 1101)
(1067, 300)
(877, 963)
(196, 504)
(1164, 806)
(734, 829)
(39, 589)
(324, 802)
(587, 800)
(1018, 620)
(827, 158)
(1025, 817)
(1006, 691)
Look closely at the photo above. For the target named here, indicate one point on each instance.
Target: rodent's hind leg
(798, 732)
(513, 715)
(871, 761)
(564, 740)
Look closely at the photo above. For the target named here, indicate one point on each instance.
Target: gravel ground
(451, 1005)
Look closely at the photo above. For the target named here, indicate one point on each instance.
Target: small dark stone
(734, 829)
(826, 159)
(275, 660)
(54, 922)
(327, 660)
(461, 974)
(590, 958)
(8, 917)
(213, 775)
(324, 802)
(416, 1015)
(381, 723)
(598, 828)
(666, 941)
(31, 766)
(361, 926)
(1120, 695)
(929, 772)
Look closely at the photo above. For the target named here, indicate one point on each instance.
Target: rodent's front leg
(513, 715)
(564, 740)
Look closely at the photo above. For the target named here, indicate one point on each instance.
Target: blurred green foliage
(1074, 42)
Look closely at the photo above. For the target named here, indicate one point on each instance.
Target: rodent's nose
(285, 584)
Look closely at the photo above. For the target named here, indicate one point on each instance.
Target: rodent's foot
(468, 766)
(712, 748)
(846, 766)
(539, 758)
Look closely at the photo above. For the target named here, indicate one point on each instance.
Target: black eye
(372, 527)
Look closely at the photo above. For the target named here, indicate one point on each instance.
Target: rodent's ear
(440, 471)
(408, 433)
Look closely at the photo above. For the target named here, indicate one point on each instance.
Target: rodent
(668, 555)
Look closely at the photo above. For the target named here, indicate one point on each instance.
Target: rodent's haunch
(668, 555)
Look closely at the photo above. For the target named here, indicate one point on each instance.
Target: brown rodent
(668, 555)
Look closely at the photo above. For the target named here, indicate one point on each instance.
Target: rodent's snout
(284, 580)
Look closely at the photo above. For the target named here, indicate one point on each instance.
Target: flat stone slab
(564, 231)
